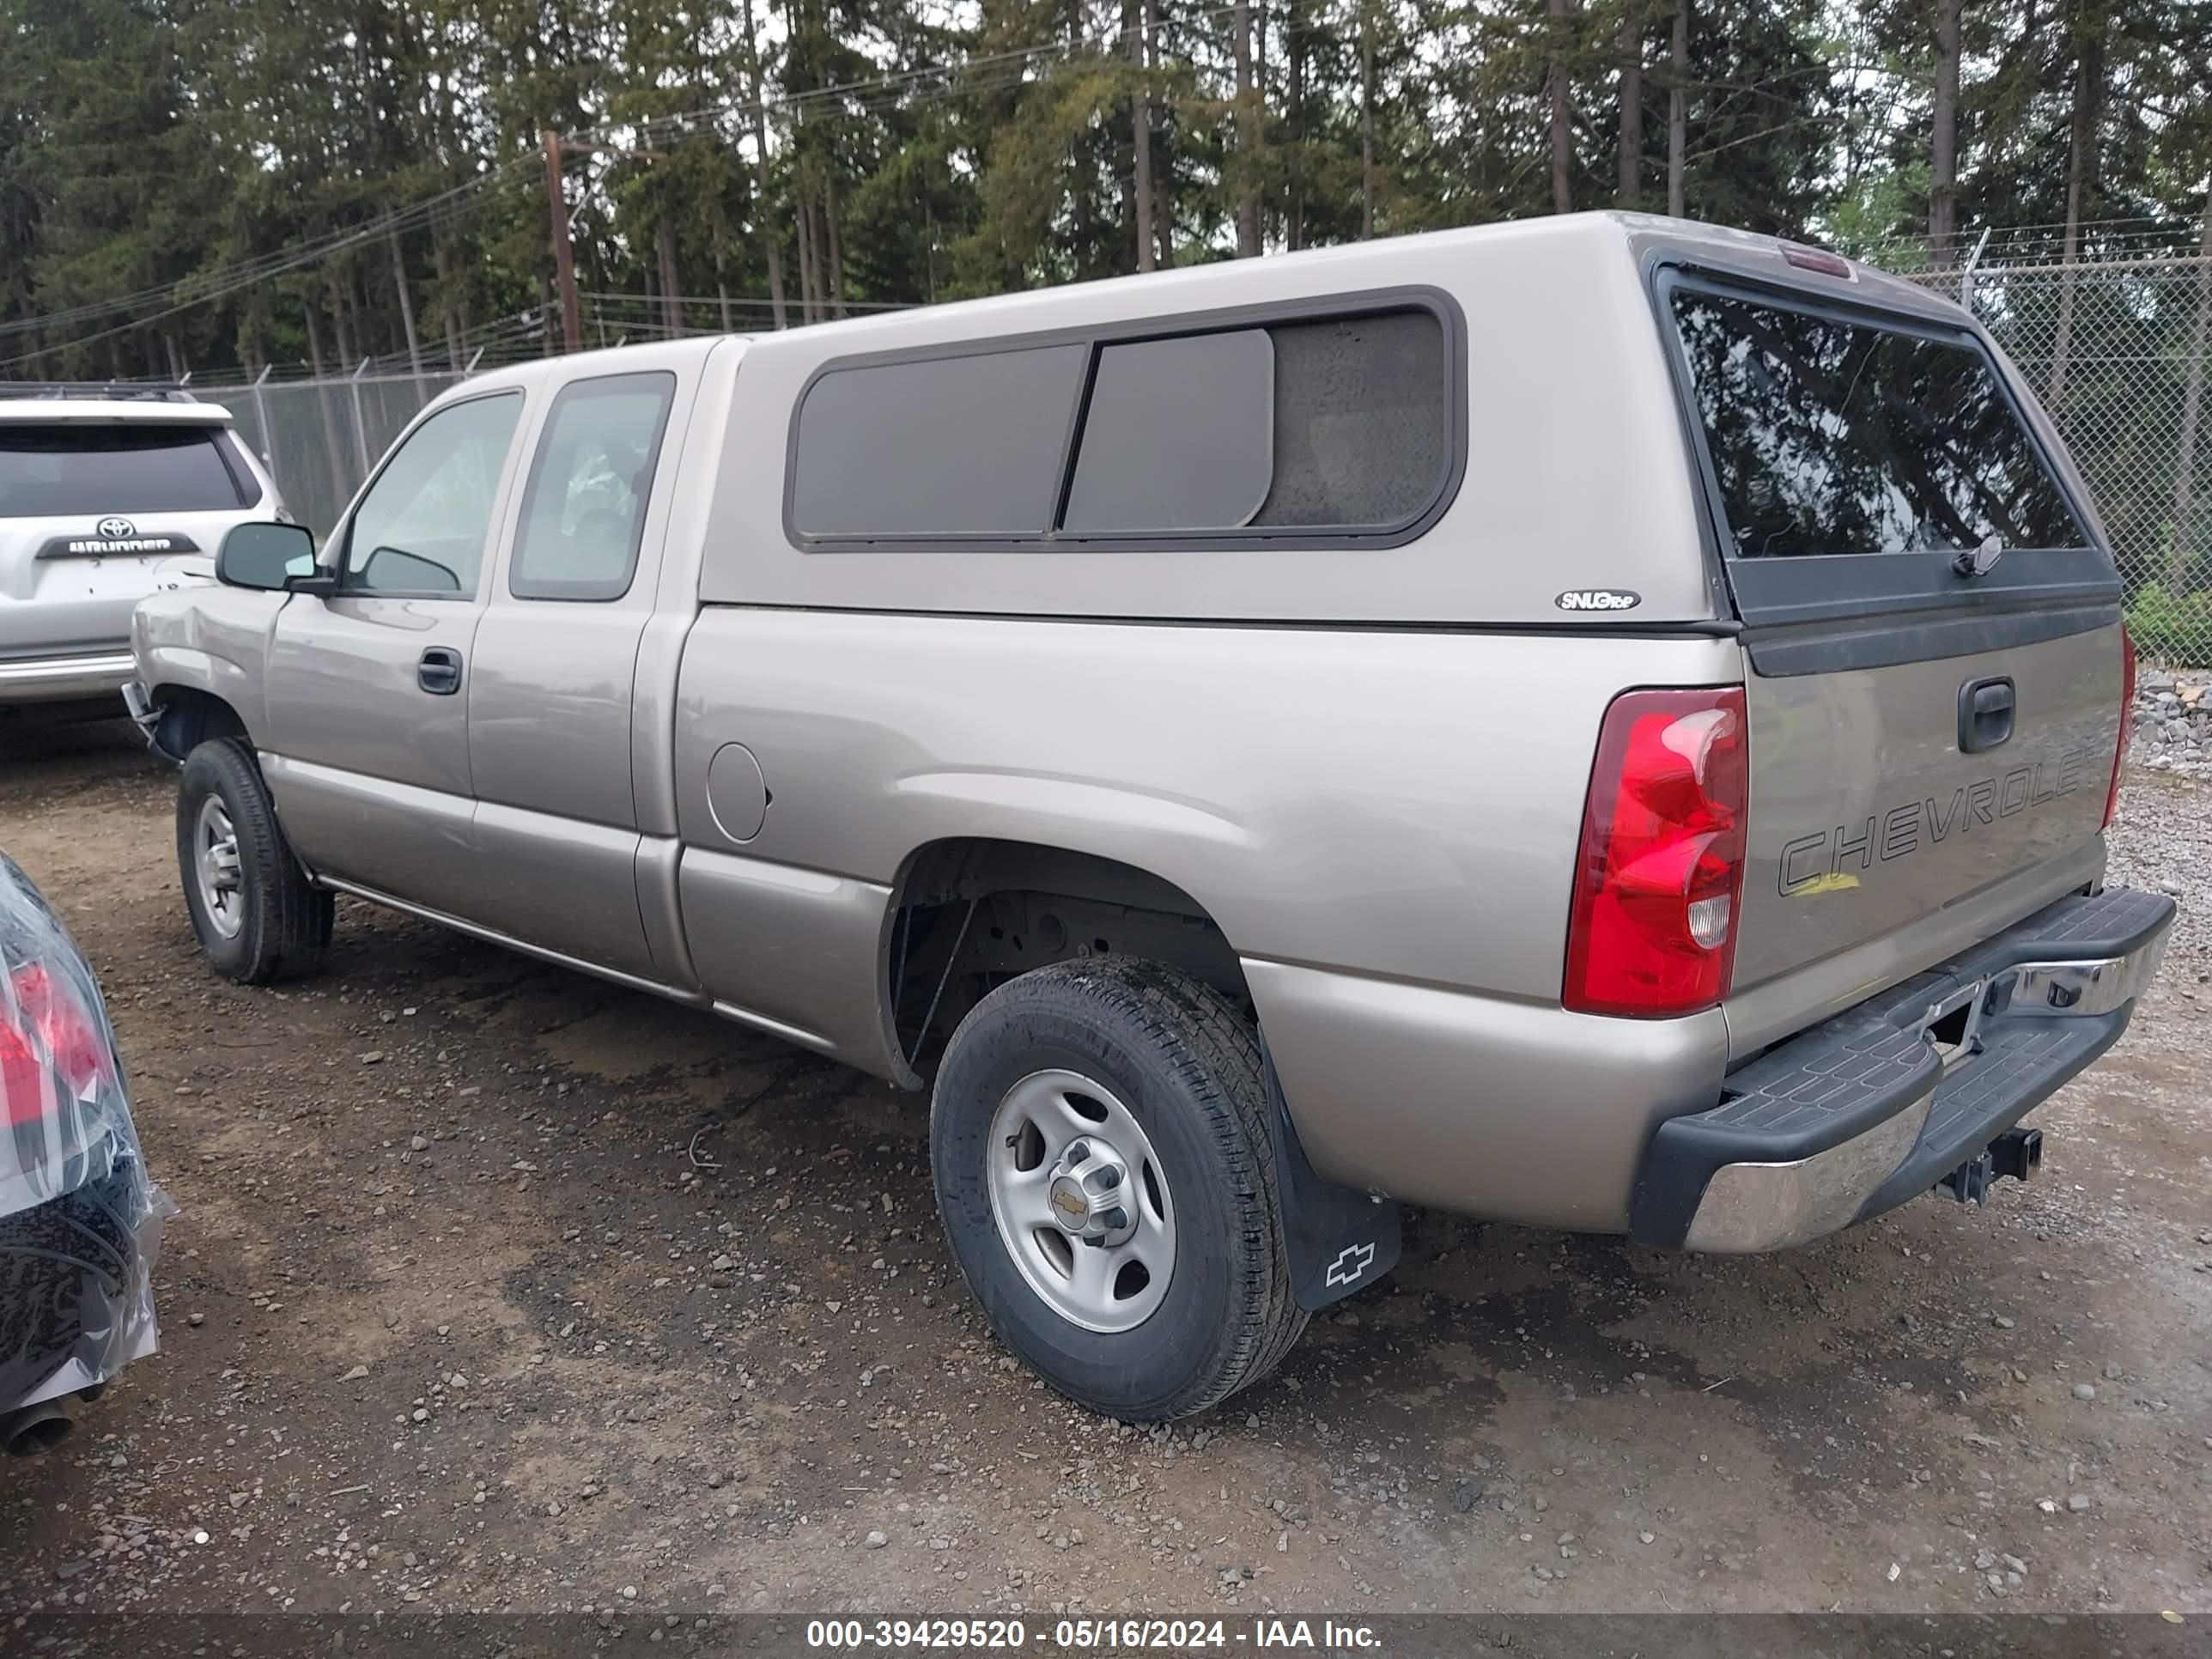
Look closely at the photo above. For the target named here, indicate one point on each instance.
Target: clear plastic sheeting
(79, 1220)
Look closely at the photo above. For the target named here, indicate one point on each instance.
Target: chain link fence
(2118, 347)
(319, 439)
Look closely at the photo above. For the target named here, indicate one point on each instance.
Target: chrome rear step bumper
(1868, 1109)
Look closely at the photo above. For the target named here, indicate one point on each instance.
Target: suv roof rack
(165, 391)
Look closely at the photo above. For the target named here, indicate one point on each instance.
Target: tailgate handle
(1984, 713)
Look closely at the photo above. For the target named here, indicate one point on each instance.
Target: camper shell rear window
(1830, 432)
(1859, 462)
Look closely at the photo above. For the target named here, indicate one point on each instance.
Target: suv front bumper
(65, 679)
(1864, 1111)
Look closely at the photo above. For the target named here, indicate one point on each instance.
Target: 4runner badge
(1352, 1262)
(1598, 598)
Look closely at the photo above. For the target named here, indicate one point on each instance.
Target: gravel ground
(496, 1288)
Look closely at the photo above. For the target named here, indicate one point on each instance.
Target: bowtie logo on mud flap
(1351, 1262)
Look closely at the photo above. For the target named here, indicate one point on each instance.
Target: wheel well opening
(189, 717)
(970, 914)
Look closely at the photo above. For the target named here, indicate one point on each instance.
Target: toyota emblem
(117, 530)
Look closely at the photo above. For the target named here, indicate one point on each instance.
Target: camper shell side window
(1334, 421)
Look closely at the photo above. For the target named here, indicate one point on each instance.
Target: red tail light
(1661, 867)
(45, 1034)
(2127, 722)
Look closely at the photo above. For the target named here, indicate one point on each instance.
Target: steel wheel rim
(1060, 1141)
(215, 866)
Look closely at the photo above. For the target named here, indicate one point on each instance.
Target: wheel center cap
(1087, 1193)
(1069, 1206)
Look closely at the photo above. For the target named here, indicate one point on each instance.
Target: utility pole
(564, 257)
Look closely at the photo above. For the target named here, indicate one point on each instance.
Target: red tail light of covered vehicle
(1659, 868)
(50, 1043)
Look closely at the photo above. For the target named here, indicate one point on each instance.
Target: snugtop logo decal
(1598, 598)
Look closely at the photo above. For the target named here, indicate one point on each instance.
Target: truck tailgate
(1934, 655)
(1866, 816)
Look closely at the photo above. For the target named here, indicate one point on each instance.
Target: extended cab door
(367, 753)
(549, 702)
(1932, 636)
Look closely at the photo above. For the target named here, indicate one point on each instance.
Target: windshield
(1832, 434)
(70, 469)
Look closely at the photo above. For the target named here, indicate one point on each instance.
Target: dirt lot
(496, 1288)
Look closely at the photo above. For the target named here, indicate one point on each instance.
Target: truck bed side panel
(1383, 824)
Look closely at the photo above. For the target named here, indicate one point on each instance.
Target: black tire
(1188, 1068)
(285, 925)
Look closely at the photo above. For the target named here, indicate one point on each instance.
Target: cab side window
(583, 513)
(421, 529)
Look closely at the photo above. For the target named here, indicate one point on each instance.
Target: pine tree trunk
(771, 238)
(1366, 120)
(672, 291)
(722, 283)
(2192, 403)
(1140, 128)
(1943, 141)
(835, 246)
(1632, 106)
(448, 302)
(1562, 122)
(1294, 43)
(1163, 207)
(2081, 178)
(1677, 111)
(1248, 134)
(406, 306)
(339, 325)
(806, 277)
(332, 450)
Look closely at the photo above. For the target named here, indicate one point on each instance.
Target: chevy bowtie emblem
(1351, 1262)
(117, 530)
(1071, 1204)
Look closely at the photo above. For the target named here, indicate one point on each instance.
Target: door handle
(439, 671)
(1985, 711)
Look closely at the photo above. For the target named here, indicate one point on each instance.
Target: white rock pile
(2173, 720)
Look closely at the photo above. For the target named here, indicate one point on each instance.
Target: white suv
(99, 494)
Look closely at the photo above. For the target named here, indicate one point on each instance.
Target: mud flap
(1339, 1241)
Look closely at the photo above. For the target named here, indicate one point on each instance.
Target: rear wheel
(257, 915)
(1104, 1170)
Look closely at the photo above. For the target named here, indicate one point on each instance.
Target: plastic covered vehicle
(79, 1220)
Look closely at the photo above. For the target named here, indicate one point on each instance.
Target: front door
(367, 750)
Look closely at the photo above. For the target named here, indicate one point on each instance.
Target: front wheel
(257, 915)
(1100, 1142)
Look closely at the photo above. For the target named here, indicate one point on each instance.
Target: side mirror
(267, 557)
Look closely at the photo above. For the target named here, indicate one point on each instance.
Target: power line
(610, 297)
(229, 279)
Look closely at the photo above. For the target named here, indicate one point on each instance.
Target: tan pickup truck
(1603, 724)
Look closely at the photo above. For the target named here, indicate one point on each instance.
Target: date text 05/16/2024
(1092, 1635)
